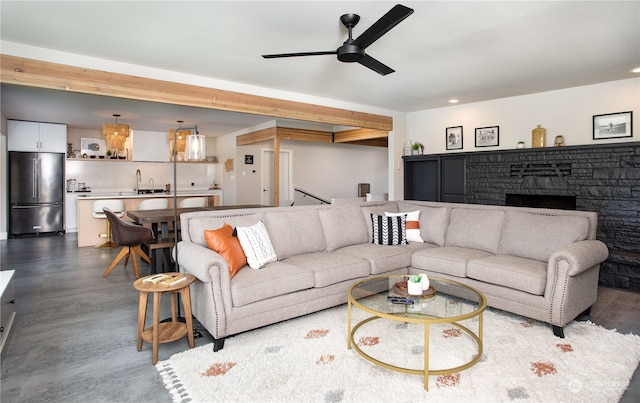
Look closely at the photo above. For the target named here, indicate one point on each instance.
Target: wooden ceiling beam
(35, 73)
(371, 143)
(257, 137)
(349, 136)
(288, 133)
(362, 137)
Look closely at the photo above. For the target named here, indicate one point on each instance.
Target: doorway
(285, 179)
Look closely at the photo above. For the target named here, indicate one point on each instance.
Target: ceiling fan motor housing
(350, 53)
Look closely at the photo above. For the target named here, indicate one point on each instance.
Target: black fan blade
(328, 52)
(376, 66)
(392, 18)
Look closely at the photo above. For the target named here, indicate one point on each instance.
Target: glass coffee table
(452, 305)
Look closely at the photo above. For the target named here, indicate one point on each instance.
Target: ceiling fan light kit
(353, 50)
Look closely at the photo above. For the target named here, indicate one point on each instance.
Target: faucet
(151, 185)
(138, 179)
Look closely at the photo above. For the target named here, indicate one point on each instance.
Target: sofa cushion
(222, 241)
(416, 246)
(448, 259)
(256, 245)
(330, 268)
(475, 229)
(276, 279)
(381, 258)
(294, 232)
(433, 221)
(412, 226)
(509, 271)
(537, 236)
(197, 224)
(343, 226)
(389, 230)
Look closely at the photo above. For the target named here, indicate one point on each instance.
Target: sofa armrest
(211, 295)
(572, 279)
(200, 261)
(580, 256)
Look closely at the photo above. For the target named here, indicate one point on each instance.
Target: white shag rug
(306, 360)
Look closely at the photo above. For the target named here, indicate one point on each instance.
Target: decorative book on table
(167, 279)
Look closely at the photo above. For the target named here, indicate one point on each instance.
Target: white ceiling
(472, 51)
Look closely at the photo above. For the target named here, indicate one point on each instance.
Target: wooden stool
(167, 331)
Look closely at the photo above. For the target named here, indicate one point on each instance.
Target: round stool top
(174, 281)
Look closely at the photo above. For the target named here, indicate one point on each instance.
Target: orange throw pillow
(221, 240)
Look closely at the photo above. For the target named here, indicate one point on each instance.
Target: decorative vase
(407, 148)
(538, 137)
(425, 282)
(414, 288)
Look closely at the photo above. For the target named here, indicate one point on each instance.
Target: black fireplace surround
(541, 201)
(600, 178)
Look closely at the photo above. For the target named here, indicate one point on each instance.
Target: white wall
(326, 170)
(568, 112)
(397, 139)
(226, 147)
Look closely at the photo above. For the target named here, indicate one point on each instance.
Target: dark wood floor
(75, 337)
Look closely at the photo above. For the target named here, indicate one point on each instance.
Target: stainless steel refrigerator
(36, 192)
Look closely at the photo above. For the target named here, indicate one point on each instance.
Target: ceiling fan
(353, 50)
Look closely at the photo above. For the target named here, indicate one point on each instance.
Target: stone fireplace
(600, 178)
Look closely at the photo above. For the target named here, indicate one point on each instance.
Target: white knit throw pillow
(256, 245)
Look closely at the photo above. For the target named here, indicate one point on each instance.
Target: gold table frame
(426, 320)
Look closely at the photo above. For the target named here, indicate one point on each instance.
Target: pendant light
(180, 140)
(196, 146)
(115, 134)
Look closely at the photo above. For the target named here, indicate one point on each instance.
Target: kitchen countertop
(134, 195)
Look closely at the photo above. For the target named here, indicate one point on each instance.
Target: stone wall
(603, 178)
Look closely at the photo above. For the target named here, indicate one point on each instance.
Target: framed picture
(248, 159)
(93, 147)
(487, 136)
(454, 138)
(613, 125)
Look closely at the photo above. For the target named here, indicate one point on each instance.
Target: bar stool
(193, 202)
(153, 204)
(117, 206)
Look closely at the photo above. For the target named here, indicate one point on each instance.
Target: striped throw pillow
(389, 230)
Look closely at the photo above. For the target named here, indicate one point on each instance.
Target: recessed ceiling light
(454, 101)
(636, 70)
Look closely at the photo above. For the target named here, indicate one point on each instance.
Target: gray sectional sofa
(539, 263)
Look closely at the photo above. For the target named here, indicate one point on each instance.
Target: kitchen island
(89, 228)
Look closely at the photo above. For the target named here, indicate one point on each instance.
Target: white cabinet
(8, 310)
(71, 212)
(35, 136)
(150, 146)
